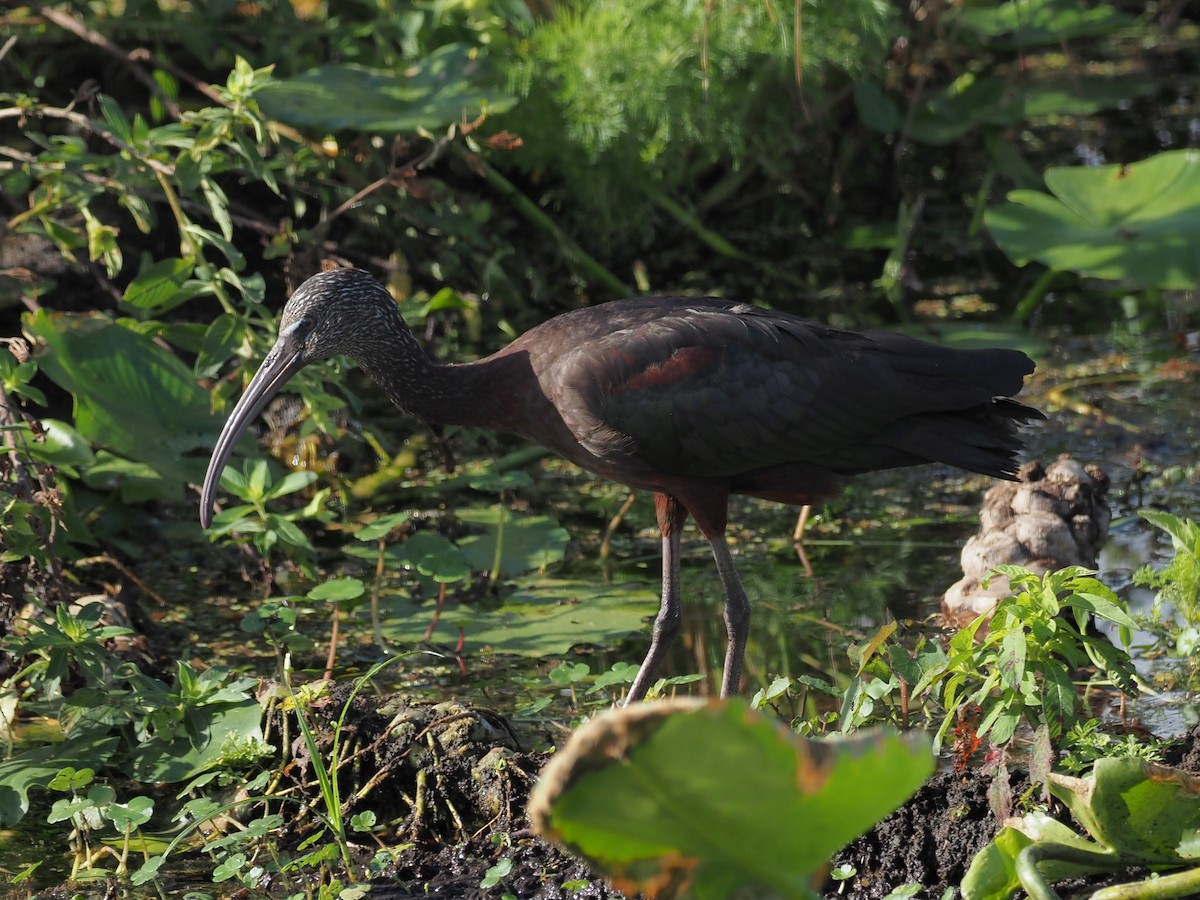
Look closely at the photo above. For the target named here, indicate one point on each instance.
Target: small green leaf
(383, 526)
(135, 813)
(149, 870)
(338, 589)
(257, 479)
(289, 484)
(497, 873)
(160, 286)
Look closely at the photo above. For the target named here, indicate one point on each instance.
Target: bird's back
(706, 388)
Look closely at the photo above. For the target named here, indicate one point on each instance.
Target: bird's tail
(986, 439)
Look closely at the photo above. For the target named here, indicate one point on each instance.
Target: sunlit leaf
(217, 725)
(700, 798)
(61, 445)
(1138, 224)
(132, 396)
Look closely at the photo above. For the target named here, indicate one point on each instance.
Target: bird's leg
(737, 615)
(671, 516)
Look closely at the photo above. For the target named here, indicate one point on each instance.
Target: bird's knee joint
(737, 613)
(668, 622)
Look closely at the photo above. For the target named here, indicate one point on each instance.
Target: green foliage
(993, 102)
(632, 98)
(541, 615)
(72, 642)
(574, 676)
(87, 814)
(1022, 669)
(1176, 612)
(1135, 814)
(1031, 23)
(1087, 742)
(644, 794)
(182, 206)
(249, 855)
(67, 180)
(270, 530)
(135, 403)
(448, 84)
(105, 706)
(496, 874)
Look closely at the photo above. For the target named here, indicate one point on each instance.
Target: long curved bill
(285, 360)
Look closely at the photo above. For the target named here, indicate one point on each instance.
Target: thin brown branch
(131, 58)
(91, 125)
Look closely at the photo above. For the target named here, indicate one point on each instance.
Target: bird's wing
(708, 388)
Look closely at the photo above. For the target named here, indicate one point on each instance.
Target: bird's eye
(305, 324)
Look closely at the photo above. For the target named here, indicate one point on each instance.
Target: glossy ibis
(691, 398)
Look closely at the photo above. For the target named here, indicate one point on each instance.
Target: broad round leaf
(1138, 224)
(703, 797)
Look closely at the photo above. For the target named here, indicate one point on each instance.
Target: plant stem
(585, 262)
(693, 224)
(1178, 884)
(1034, 296)
(1035, 883)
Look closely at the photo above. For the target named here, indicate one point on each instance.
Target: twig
(105, 559)
(131, 58)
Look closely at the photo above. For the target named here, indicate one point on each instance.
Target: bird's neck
(477, 393)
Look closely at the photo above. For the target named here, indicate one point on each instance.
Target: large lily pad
(1138, 224)
(713, 799)
(543, 616)
(526, 543)
(437, 91)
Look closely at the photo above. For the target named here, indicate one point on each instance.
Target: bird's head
(342, 311)
(336, 312)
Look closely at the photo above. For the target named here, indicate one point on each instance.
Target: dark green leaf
(131, 395)
(430, 94)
